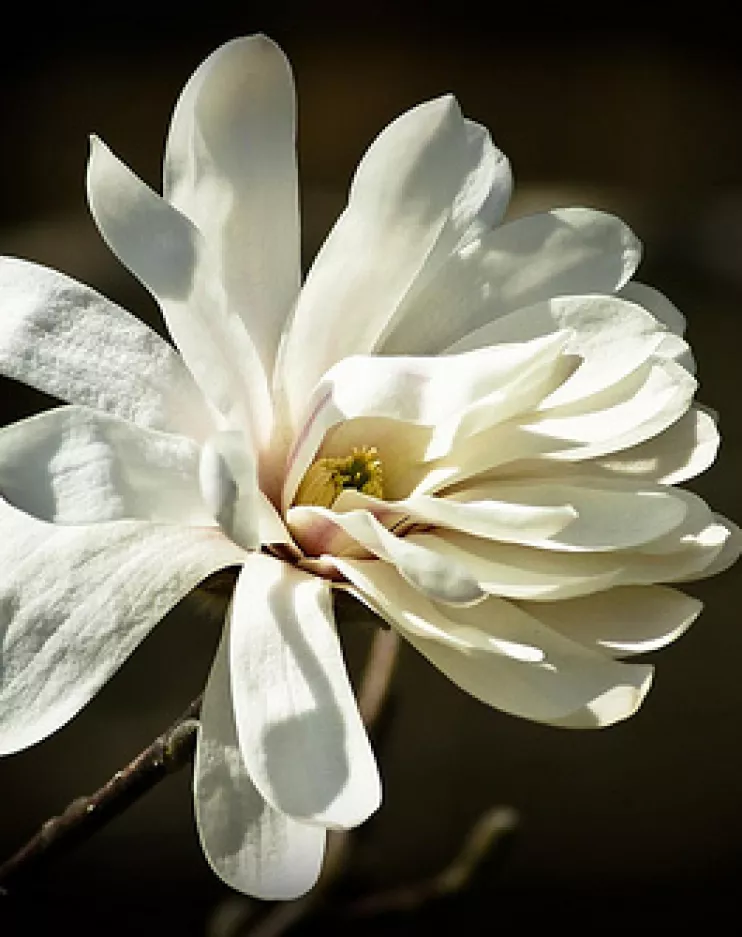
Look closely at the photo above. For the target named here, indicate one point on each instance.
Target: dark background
(636, 826)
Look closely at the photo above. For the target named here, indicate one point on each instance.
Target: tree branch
(169, 752)
(86, 815)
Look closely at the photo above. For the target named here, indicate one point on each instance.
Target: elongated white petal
(76, 601)
(636, 408)
(252, 847)
(300, 733)
(437, 576)
(623, 621)
(474, 511)
(563, 682)
(415, 194)
(570, 251)
(679, 453)
(611, 336)
(608, 514)
(74, 465)
(230, 167)
(228, 481)
(68, 341)
(657, 303)
(164, 250)
(532, 574)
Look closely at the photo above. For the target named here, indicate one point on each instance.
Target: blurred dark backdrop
(639, 825)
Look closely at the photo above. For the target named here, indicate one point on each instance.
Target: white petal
(612, 337)
(415, 194)
(570, 251)
(681, 452)
(622, 621)
(229, 484)
(230, 167)
(657, 303)
(163, 249)
(64, 339)
(73, 465)
(252, 847)
(634, 409)
(76, 601)
(474, 511)
(607, 514)
(437, 576)
(300, 732)
(527, 573)
(564, 683)
(456, 394)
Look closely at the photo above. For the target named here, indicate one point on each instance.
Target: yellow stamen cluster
(325, 479)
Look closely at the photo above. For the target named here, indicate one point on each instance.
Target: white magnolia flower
(472, 428)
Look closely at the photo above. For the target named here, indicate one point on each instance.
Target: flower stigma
(326, 478)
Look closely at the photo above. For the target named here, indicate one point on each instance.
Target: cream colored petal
(486, 654)
(422, 566)
(622, 621)
(682, 451)
(610, 336)
(456, 394)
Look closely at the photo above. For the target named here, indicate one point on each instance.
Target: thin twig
(86, 815)
(490, 833)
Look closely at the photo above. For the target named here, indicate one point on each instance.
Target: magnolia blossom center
(326, 478)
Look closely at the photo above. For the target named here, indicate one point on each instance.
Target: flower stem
(169, 752)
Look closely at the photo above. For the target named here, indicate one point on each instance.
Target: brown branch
(490, 833)
(86, 815)
(168, 753)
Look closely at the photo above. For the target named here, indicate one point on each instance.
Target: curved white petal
(657, 303)
(228, 481)
(73, 465)
(415, 194)
(533, 574)
(611, 336)
(636, 409)
(435, 575)
(622, 621)
(300, 732)
(679, 453)
(230, 166)
(482, 649)
(455, 394)
(607, 513)
(252, 847)
(569, 251)
(164, 250)
(497, 515)
(68, 341)
(76, 601)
